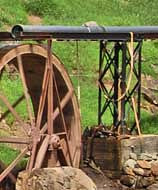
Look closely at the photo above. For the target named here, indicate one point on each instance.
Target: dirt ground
(102, 182)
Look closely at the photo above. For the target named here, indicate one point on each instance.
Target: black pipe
(83, 32)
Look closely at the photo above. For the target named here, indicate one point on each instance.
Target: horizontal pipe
(83, 29)
(84, 32)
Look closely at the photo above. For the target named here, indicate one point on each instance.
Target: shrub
(39, 7)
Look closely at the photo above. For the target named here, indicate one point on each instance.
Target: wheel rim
(30, 61)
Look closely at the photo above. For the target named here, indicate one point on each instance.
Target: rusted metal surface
(16, 140)
(27, 96)
(53, 124)
(42, 152)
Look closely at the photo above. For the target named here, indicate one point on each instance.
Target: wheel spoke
(63, 120)
(76, 154)
(13, 105)
(50, 89)
(12, 110)
(63, 103)
(33, 155)
(10, 175)
(62, 154)
(42, 152)
(13, 164)
(27, 96)
(43, 96)
(15, 140)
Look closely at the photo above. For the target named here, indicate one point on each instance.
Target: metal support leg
(139, 79)
(123, 86)
(116, 79)
(100, 72)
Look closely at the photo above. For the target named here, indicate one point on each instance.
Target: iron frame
(117, 61)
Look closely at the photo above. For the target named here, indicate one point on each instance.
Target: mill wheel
(42, 103)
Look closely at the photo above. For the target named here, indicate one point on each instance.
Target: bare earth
(102, 182)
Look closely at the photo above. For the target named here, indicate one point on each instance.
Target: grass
(12, 89)
(8, 10)
(5, 151)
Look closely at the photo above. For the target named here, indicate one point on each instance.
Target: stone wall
(140, 171)
(134, 160)
(138, 145)
(139, 161)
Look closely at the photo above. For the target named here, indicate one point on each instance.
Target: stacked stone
(141, 171)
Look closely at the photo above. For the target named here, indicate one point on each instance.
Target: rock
(58, 178)
(149, 96)
(154, 157)
(128, 180)
(144, 164)
(133, 156)
(90, 23)
(142, 172)
(138, 171)
(130, 163)
(128, 171)
(147, 173)
(154, 169)
(156, 178)
(153, 187)
(146, 156)
(144, 181)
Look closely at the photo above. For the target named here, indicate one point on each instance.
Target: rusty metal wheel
(51, 128)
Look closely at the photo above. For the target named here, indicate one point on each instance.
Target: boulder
(128, 171)
(144, 181)
(128, 180)
(90, 23)
(130, 163)
(153, 187)
(139, 171)
(154, 169)
(144, 164)
(133, 156)
(142, 172)
(146, 156)
(58, 178)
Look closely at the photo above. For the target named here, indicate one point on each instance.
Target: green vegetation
(12, 12)
(12, 89)
(77, 12)
(5, 151)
